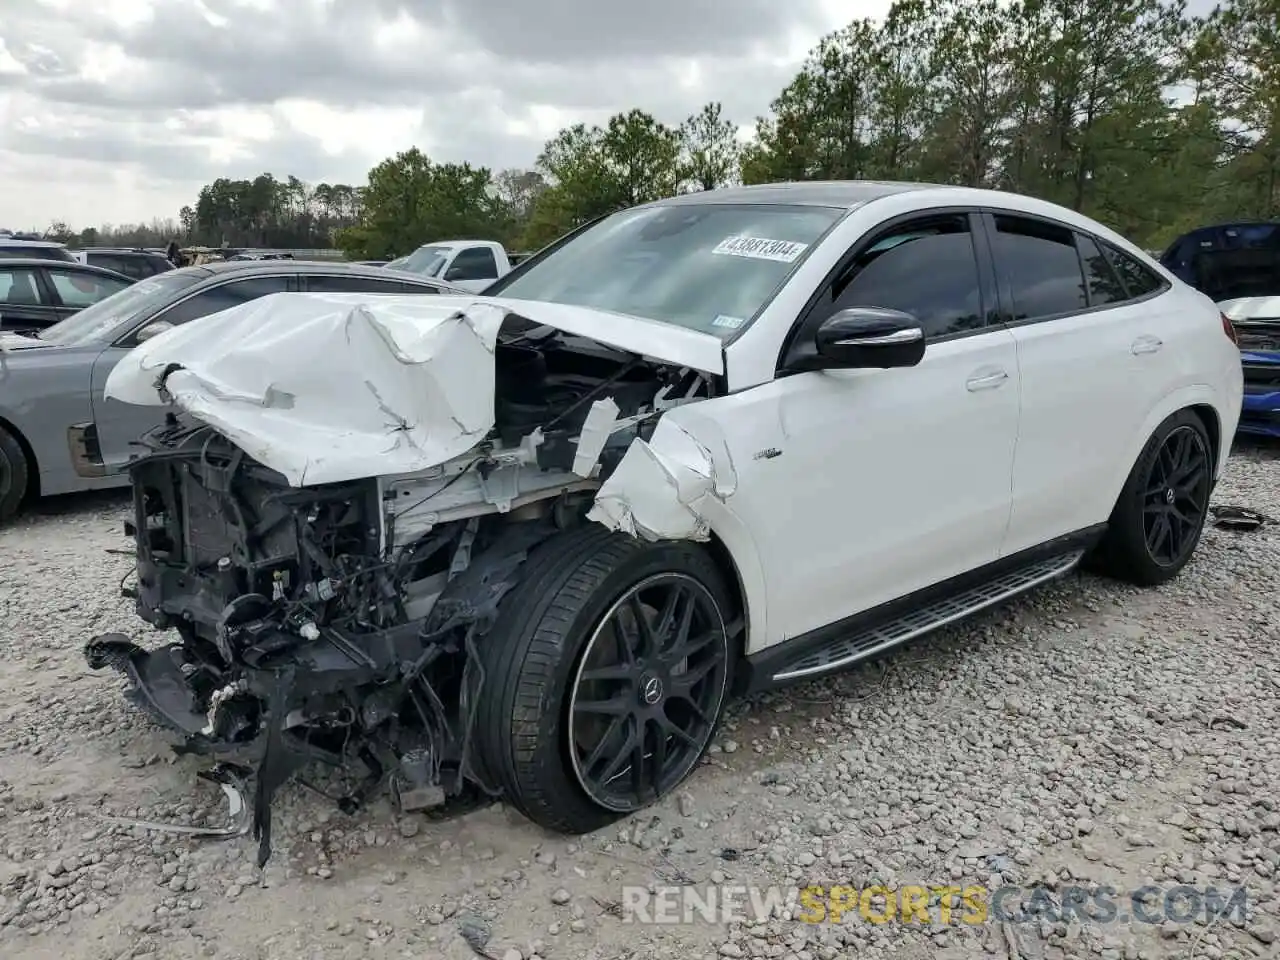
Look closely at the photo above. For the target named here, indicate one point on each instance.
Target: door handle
(1147, 344)
(986, 381)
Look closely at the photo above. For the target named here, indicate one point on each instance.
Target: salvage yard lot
(1090, 732)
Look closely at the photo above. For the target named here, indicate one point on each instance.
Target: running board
(844, 651)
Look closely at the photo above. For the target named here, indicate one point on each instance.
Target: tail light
(1229, 329)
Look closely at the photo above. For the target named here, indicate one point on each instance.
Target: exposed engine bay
(337, 623)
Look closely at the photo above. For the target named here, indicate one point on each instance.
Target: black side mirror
(869, 337)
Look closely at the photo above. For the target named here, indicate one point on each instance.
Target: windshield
(709, 266)
(426, 261)
(96, 322)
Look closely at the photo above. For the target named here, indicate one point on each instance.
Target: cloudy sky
(116, 111)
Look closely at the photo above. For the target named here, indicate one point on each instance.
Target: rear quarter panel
(1207, 373)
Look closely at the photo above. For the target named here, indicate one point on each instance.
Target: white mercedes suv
(526, 543)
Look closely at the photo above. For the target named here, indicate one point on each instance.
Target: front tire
(14, 475)
(606, 672)
(1157, 521)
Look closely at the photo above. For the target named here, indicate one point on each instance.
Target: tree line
(1127, 110)
(262, 212)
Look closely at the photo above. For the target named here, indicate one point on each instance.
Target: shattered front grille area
(339, 623)
(301, 638)
(207, 535)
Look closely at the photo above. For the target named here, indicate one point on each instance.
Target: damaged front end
(337, 623)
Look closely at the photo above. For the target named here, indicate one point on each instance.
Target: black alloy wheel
(605, 674)
(14, 472)
(1176, 496)
(647, 692)
(6, 476)
(1160, 512)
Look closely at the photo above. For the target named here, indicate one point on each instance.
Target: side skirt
(839, 646)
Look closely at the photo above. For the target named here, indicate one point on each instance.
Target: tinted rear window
(1139, 280)
(1104, 283)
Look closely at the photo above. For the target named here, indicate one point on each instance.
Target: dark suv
(1238, 265)
(136, 263)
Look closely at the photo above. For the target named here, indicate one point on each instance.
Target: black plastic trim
(759, 669)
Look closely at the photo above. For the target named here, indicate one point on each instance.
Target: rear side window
(79, 290)
(109, 261)
(1040, 266)
(1139, 279)
(336, 283)
(19, 287)
(1104, 283)
(474, 263)
(1252, 236)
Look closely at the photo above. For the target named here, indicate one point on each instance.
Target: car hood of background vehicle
(1256, 309)
(330, 387)
(13, 342)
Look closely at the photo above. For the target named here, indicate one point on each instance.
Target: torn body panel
(660, 487)
(336, 622)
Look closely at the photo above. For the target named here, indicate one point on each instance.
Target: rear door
(26, 302)
(119, 424)
(1093, 363)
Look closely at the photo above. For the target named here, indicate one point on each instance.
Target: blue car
(1238, 265)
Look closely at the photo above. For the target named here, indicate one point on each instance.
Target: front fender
(679, 485)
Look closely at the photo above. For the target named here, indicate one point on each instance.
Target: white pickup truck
(469, 264)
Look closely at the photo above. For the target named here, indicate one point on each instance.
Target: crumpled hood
(330, 387)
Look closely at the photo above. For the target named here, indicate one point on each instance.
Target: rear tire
(565, 709)
(14, 475)
(1157, 521)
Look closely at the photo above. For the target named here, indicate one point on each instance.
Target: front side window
(924, 267)
(428, 261)
(19, 287)
(474, 263)
(81, 290)
(711, 267)
(222, 297)
(1041, 267)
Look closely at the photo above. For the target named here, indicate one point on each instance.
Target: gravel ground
(1090, 734)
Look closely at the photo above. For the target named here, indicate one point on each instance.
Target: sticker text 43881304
(760, 248)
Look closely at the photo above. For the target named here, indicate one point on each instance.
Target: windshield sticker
(760, 248)
(733, 323)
